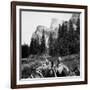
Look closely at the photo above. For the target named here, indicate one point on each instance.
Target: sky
(30, 20)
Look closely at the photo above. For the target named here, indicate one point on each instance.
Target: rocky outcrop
(39, 32)
(53, 29)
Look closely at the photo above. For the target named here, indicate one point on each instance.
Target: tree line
(68, 42)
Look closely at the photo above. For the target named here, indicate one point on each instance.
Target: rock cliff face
(53, 29)
(74, 20)
(39, 32)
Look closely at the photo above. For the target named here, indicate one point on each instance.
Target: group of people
(51, 69)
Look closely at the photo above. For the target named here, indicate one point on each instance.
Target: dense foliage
(68, 42)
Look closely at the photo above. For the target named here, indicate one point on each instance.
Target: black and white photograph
(49, 44)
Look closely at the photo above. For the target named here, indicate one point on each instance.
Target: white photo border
(82, 46)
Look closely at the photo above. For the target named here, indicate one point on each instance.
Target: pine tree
(31, 48)
(25, 51)
(51, 45)
(71, 29)
(63, 39)
(42, 49)
(59, 32)
(60, 35)
(72, 35)
(78, 25)
(34, 47)
(78, 35)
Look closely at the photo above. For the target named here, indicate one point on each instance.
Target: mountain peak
(39, 32)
